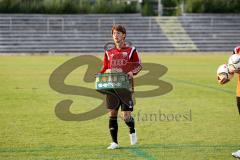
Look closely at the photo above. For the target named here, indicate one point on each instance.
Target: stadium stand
(36, 33)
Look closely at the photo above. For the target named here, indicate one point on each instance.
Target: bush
(171, 7)
(109, 6)
(147, 9)
(85, 6)
(70, 7)
(66, 6)
(213, 6)
(8, 5)
(52, 6)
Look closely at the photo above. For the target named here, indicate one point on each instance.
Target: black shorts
(119, 98)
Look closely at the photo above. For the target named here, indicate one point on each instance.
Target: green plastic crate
(109, 81)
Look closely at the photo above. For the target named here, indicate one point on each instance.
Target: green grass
(29, 128)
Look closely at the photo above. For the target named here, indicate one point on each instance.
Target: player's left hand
(130, 75)
(223, 80)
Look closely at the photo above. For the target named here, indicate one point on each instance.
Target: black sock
(131, 125)
(113, 128)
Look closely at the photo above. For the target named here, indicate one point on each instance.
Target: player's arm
(136, 62)
(105, 64)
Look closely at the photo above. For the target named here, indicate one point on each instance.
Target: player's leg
(113, 106)
(238, 104)
(113, 128)
(129, 120)
(237, 153)
(113, 125)
(127, 108)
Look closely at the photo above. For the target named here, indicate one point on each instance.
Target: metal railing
(60, 24)
(105, 18)
(55, 19)
(9, 25)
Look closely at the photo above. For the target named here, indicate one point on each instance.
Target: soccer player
(125, 59)
(223, 81)
(237, 51)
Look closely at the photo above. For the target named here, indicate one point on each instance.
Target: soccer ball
(234, 63)
(223, 72)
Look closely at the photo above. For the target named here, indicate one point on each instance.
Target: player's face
(118, 36)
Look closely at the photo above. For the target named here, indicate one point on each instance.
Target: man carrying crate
(121, 58)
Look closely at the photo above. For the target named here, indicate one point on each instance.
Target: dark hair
(119, 28)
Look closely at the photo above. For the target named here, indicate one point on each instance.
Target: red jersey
(124, 60)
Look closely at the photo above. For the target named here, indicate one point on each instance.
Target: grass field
(29, 128)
